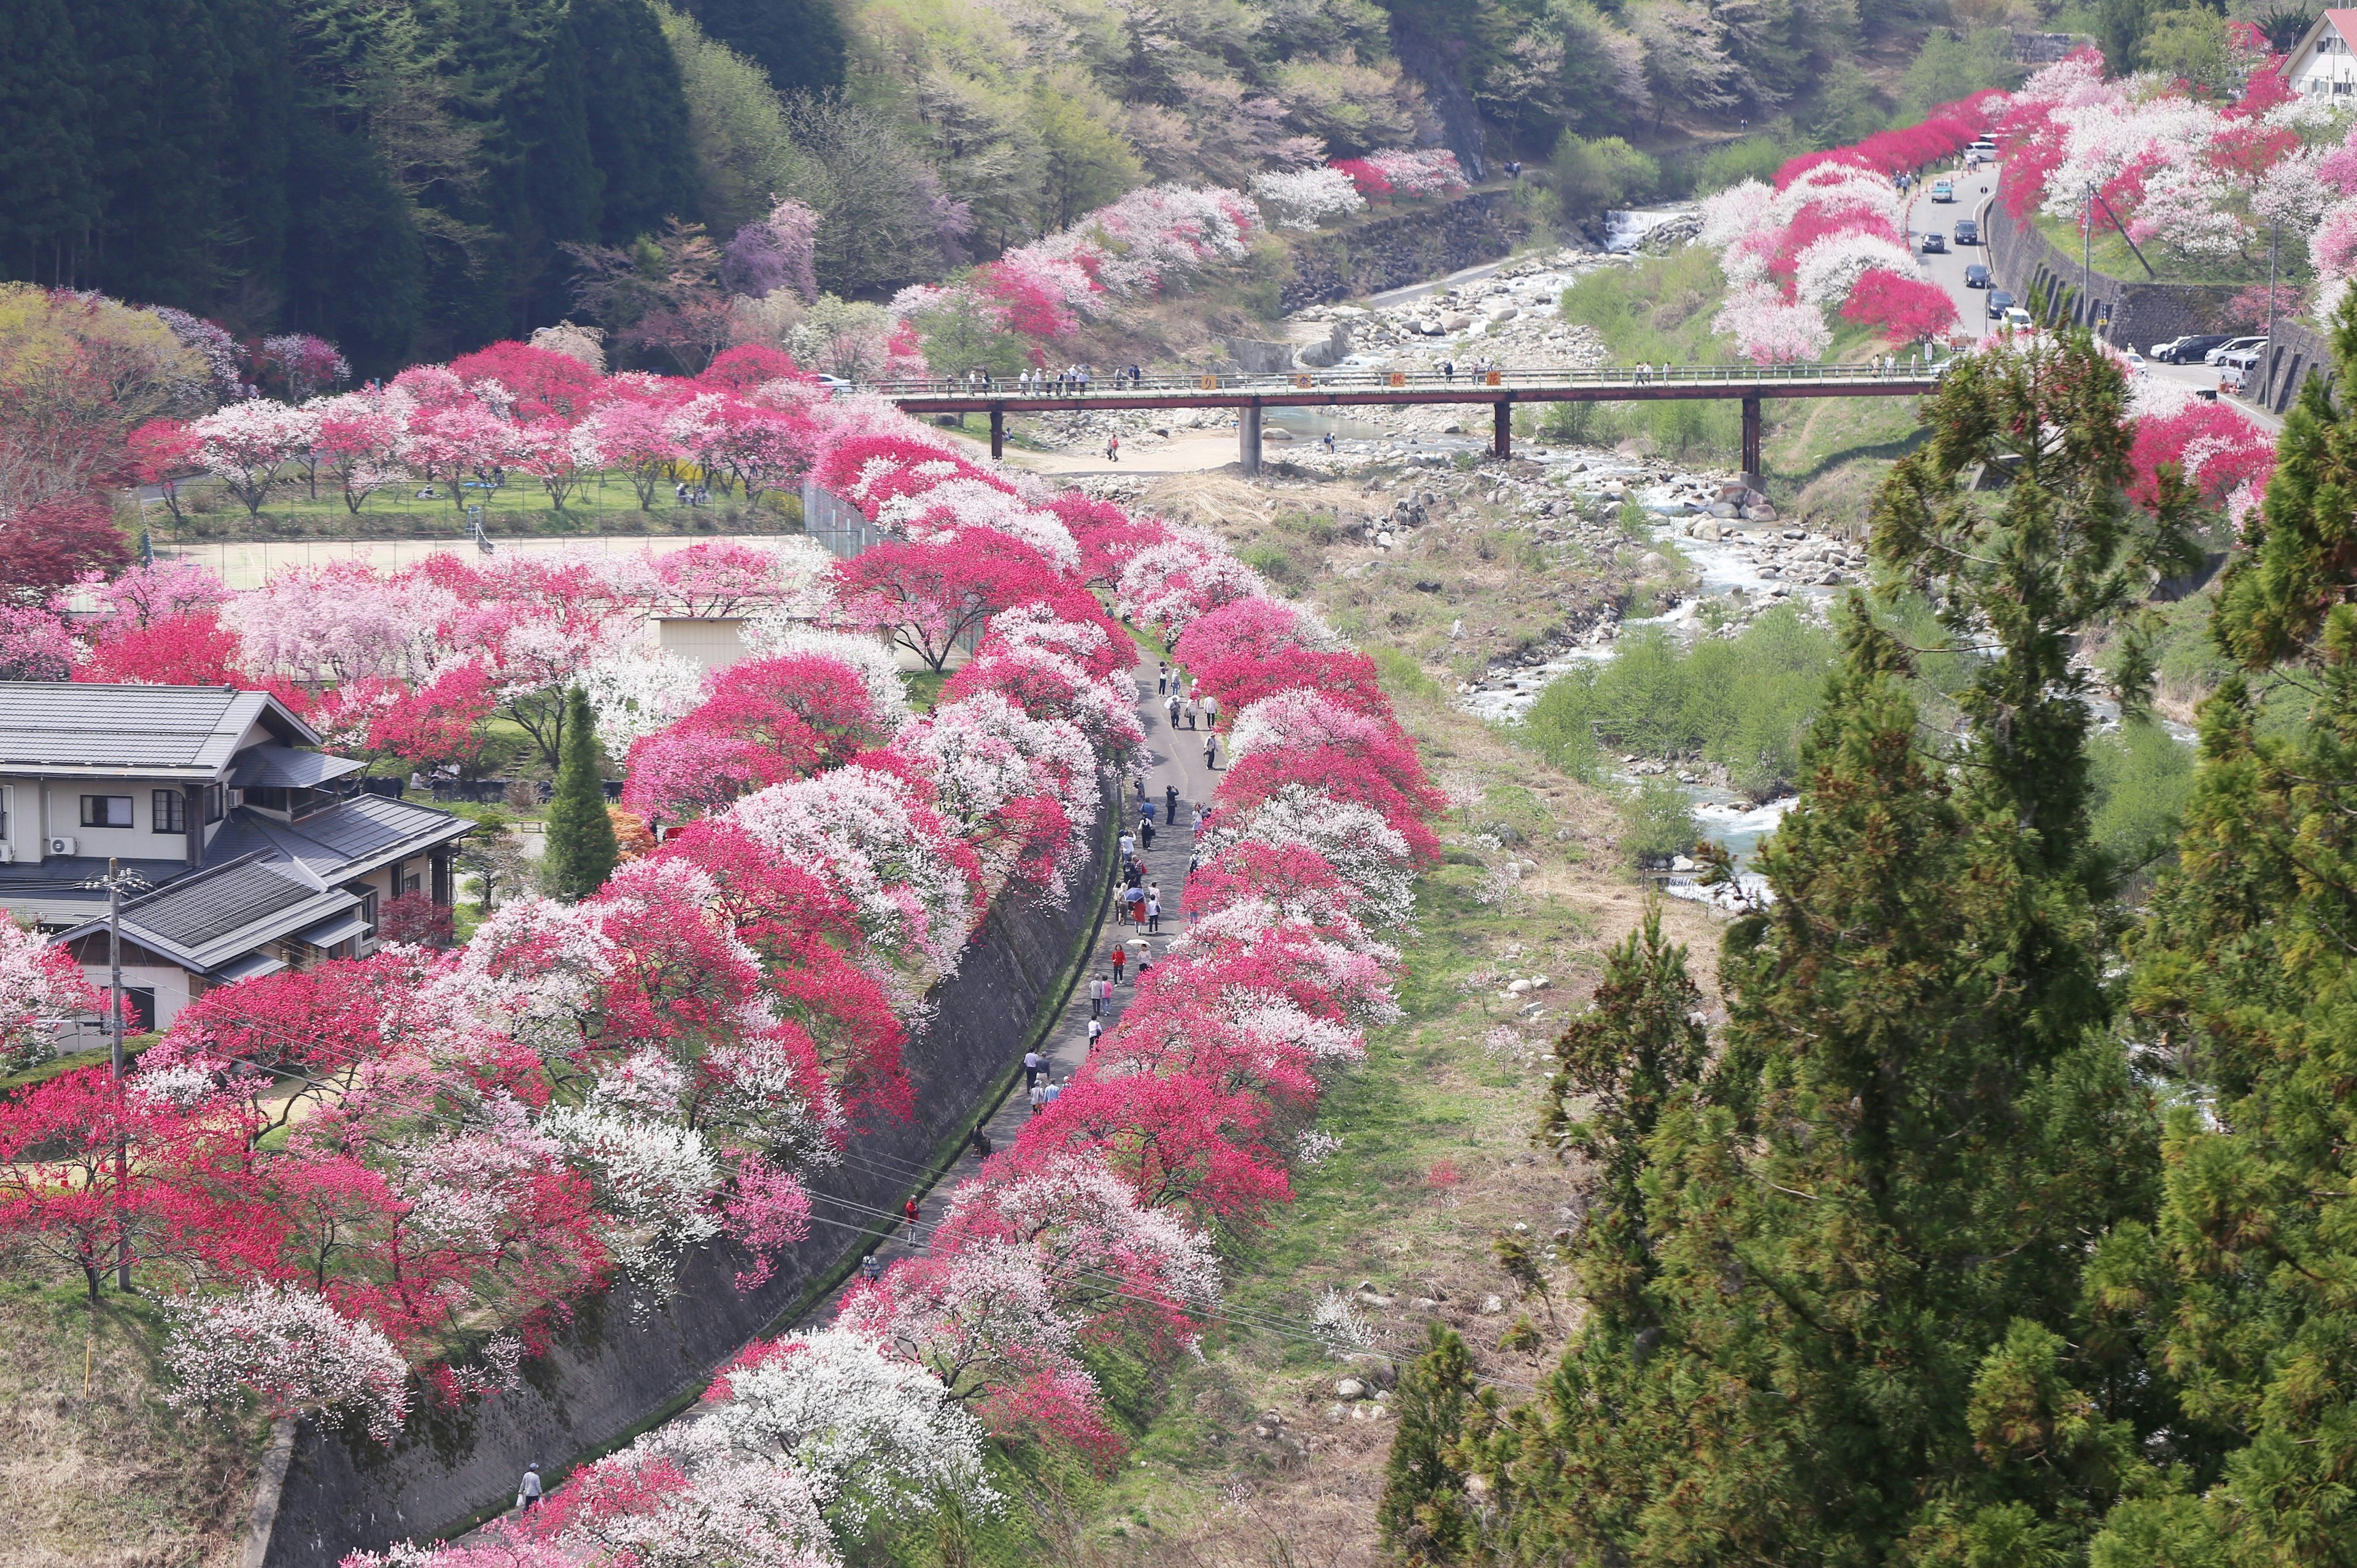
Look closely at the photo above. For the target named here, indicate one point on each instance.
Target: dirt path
(1177, 762)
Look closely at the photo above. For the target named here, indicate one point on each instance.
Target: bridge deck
(1502, 390)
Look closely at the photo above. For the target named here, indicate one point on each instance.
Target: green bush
(1590, 175)
(1744, 701)
(1732, 163)
(1657, 821)
(2141, 776)
(1401, 677)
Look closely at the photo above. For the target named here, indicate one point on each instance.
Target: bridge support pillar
(1501, 429)
(1752, 466)
(1248, 437)
(997, 431)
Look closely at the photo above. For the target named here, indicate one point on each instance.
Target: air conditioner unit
(236, 797)
(63, 846)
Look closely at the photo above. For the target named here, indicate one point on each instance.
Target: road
(1975, 193)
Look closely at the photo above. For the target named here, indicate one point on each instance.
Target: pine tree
(1426, 1515)
(1639, 1045)
(2246, 981)
(1865, 1230)
(581, 845)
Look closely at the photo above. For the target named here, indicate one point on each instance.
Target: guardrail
(1064, 390)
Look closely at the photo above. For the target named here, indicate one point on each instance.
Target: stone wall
(1391, 251)
(2297, 352)
(2141, 313)
(624, 1365)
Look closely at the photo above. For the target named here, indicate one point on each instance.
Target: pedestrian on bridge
(1449, 370)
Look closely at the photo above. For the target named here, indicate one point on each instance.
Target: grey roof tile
(67, 725)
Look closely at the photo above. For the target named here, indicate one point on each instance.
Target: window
(368, 909)
(215, 807)
(106, 811)
(167, 816)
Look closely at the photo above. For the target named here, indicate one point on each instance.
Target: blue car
(1976, 276)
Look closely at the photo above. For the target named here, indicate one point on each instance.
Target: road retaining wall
(2141, 313)
(1394, 249)
(627, 1363)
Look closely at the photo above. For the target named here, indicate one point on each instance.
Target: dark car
(1976, 276)
(1999, 303)
(2189, 349)
(1968, 232)
(1935, 242)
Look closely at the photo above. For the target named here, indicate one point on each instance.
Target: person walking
(1154, 912)
(1211, 711)
(1170, 805)
(1096, 1033)
(1113, 448)
(528, 1490)
(1194, 713)
(911, 1213)
(1097, 990)
(1145, 834)
(1174, 710)
(871, 1268)
(1211, 751)
(1033, 1065)
(1037, 1095)
(1128, 844)
(1054, 1090)
(1137, 909)
(1162, 675)
(1119, 959)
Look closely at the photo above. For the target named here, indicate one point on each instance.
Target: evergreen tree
(1867, 1229)
(2246, 981)
(1641, 1044)
(581, 846)
(1425, 1514)
(799, 43)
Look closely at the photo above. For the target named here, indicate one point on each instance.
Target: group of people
(1182, 699)
(1071, 382)
(686, 494)
(1479, 369)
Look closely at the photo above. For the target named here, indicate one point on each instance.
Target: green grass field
(607, 505)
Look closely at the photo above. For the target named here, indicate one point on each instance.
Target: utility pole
(2268, 350)
(2087, 251)
(115, 880)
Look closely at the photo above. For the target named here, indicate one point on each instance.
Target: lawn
(606, 505)
(2111, 256)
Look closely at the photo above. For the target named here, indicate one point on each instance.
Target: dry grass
(112, 1479)
(1435, 1163)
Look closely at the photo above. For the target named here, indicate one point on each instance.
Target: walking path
(1175, 759)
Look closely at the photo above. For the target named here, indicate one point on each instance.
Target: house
(2323, 64)
(253, 851)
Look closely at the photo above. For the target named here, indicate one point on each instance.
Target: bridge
(1503, 391)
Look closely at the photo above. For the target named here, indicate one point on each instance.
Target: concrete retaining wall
(2297, 352)
(2145, 313)
(1394, 250)
(625, 1364)
(2141, 313)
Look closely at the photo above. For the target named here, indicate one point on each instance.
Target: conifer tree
(581, 845)
(1865, 1228)
(1424, 1515)
(2246, 981)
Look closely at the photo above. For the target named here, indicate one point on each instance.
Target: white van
(2017, 320)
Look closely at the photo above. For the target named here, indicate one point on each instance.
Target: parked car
(2136, 361)
(2232, 346)
(2190, 348)
(1976, 276)
(1933, 244)
(1984, 148)
(1968, 232)
(1944, 190)
(1999, 302)
(2238, 366)
(2018, 319)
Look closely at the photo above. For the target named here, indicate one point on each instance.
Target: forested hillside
(403, 178)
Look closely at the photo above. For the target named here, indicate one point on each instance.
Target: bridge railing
(1055, 389)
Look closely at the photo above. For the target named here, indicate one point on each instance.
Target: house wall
(624, 1363)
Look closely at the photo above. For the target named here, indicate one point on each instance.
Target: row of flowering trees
(1098, 1225)
(1831, 235)
(511, 409)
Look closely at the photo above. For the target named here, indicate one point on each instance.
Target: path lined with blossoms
(1176, 758)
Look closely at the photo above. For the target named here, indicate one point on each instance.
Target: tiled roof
(350, 837)
(68, 726)
(286, 767)
(224, 912)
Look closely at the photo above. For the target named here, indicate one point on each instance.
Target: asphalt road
(1976, 192)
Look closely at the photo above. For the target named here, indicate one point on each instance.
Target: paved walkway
(1176, 759)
